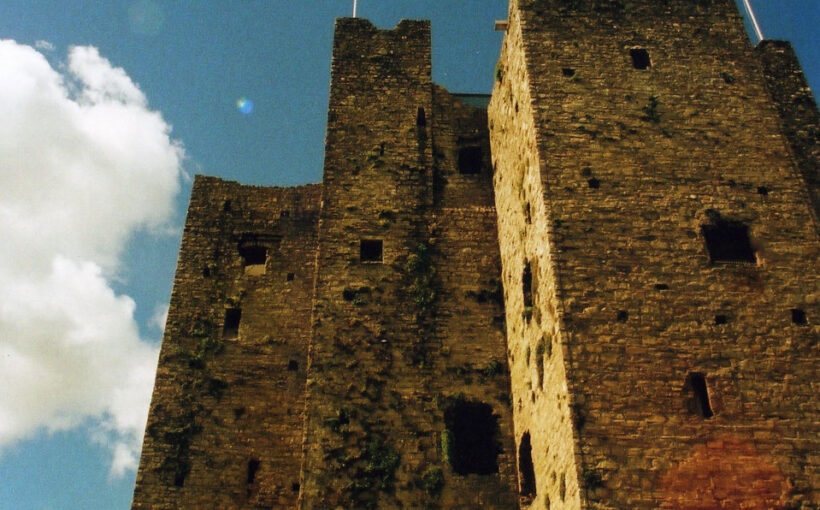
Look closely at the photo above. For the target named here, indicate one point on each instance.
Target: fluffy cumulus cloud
(84, 163)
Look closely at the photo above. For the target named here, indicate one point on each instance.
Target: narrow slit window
(421, 118)
(231, 328)
(370, 250)
(700, 393)
(469, 160)
(728, 241)
(526, 470)
(640, 58)
(293, 365)
(253, 468)
(526, 284)
(471, 439)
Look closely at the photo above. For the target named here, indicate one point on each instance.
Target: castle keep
(600, 291)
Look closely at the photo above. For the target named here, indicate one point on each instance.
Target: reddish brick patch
(725, 473)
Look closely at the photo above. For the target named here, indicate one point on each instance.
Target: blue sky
(189, 61)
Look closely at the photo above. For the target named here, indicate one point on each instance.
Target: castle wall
(226, 418)
(537, 346)
(386, 327)
(631, 165)
(798, 111)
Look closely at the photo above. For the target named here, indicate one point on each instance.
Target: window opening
(179, 478)
(568, 72)
(290, 277)
(594, 183)
(284, 214)
(470, 441)
(799, 317)
(206, 271)
(721, 319)
(562, 489)
(253, 467)
(623, 316)
(469, 160)
(661, 286)
(640, 58)
(421, 119)
(527, 213)
(762, 190)
(526, 284)
(253, 258)
(728, 241)
(526, 470)
(293, 365)
(370, 250)
(231, 328)
(697, 382)
(294, 487)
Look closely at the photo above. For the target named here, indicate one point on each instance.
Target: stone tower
(657, 237)
(600, 291)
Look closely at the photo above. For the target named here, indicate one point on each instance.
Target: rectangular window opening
(254, 257)
(640, 58)
(799, 317)
(470, 160)
(728, 241)
(231, 328)
(471, 440)
(370, 250)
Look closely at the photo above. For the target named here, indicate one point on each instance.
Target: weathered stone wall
(389, 355)
(631, 165)
(536, 345)
(226, 418)
(798, 111)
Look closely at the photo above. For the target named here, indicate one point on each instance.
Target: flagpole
(354, 8)
(754, 20)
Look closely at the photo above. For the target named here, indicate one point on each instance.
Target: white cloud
(160, 317)
(84, 163)
(43, 45)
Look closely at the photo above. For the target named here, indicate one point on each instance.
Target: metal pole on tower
(354, 8)
(751, 12)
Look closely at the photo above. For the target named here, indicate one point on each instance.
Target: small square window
(799, 317)
(371, 250)
(640, 58)
(469, 160)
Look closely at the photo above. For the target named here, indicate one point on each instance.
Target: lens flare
(244, 105)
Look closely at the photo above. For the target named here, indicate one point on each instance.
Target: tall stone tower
(600, 291)
(657, 236)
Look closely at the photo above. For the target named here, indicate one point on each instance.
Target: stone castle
(599, 291)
